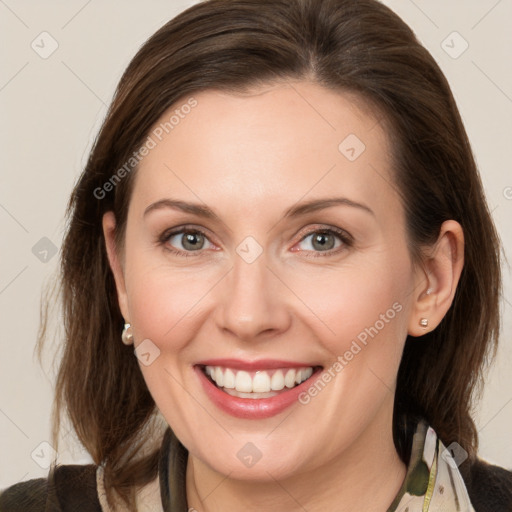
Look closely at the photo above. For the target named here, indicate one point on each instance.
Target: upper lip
(259, 364)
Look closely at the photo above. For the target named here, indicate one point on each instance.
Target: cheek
(360, 310)
(163, 304)
(162, 300)
(363, 327)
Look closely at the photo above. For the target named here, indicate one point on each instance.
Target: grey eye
(320, 241)
(188, 240)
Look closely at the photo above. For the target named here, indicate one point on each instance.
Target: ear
(437, 282)
(113, 253)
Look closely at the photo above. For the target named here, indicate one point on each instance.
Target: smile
(256, 384)
(254, 390)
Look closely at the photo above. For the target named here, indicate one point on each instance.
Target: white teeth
(261, 381)
(277, 381)
(243, 382)
(289, 379)
(234, 392)
(219, 376)
(229, 379)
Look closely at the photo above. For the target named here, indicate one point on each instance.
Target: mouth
(259, 383)
(255, 390)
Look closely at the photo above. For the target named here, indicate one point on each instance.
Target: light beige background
(52, 108)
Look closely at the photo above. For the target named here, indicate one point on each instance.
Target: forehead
(278, 141)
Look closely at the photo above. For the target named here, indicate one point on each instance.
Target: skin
(249, 157)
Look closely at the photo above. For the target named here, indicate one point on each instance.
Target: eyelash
(345, 238)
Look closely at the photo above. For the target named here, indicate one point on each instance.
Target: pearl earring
(424, 322)
(127, 335)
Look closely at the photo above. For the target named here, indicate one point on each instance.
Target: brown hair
(359, 46)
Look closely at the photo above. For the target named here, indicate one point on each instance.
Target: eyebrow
(194, 208)
(295, 211)
(319, 204)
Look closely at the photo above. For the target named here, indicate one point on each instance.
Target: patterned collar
(432, 482)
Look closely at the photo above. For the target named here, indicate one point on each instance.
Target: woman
(280, 278)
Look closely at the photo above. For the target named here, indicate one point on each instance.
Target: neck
(367, 476)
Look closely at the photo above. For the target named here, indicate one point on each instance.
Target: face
(266, 275)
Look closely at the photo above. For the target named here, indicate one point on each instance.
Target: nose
(253, 303)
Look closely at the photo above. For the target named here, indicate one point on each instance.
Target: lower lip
(252, 408)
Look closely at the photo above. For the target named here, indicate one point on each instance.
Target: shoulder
(67, 488)
(489, 487)
(25, 496)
